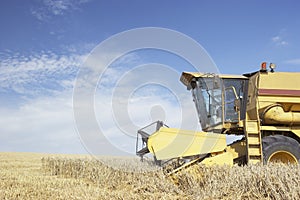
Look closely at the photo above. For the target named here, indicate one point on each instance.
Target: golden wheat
(37, 176)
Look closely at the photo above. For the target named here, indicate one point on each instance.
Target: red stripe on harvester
(279, 92)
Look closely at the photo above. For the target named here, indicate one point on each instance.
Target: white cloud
(51, 8)
(129, 96)
(293, 61)
(276, 39)
(119, 120)
(38, 74)
(36, 103)
(139, 96)
(40, 125)
(279, 40)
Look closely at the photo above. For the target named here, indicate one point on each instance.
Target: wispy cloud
(127, 98)
(38, 74)
(50, 8)
(293, 61)
(277, 40)
(280, 39)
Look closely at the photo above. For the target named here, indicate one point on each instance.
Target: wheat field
(45, 176)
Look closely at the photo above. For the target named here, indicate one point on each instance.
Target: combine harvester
(263, 107)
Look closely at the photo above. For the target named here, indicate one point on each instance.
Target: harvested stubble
(56, 177)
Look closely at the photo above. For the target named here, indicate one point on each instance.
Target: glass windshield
(217, 100)
(208, 100)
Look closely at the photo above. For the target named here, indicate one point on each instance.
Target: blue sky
(43, 43)
(262, 30)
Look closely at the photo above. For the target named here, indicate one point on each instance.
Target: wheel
(279, 148)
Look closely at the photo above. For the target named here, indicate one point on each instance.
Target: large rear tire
(279, 148)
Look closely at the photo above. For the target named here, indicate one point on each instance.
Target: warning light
(263, 67)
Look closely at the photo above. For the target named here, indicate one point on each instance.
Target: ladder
(254, 143)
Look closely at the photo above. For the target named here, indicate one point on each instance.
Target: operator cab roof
(187, 77)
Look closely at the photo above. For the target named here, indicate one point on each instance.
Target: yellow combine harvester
(263, 107)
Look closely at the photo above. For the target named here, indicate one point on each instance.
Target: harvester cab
(219, 99)
(263, 107)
